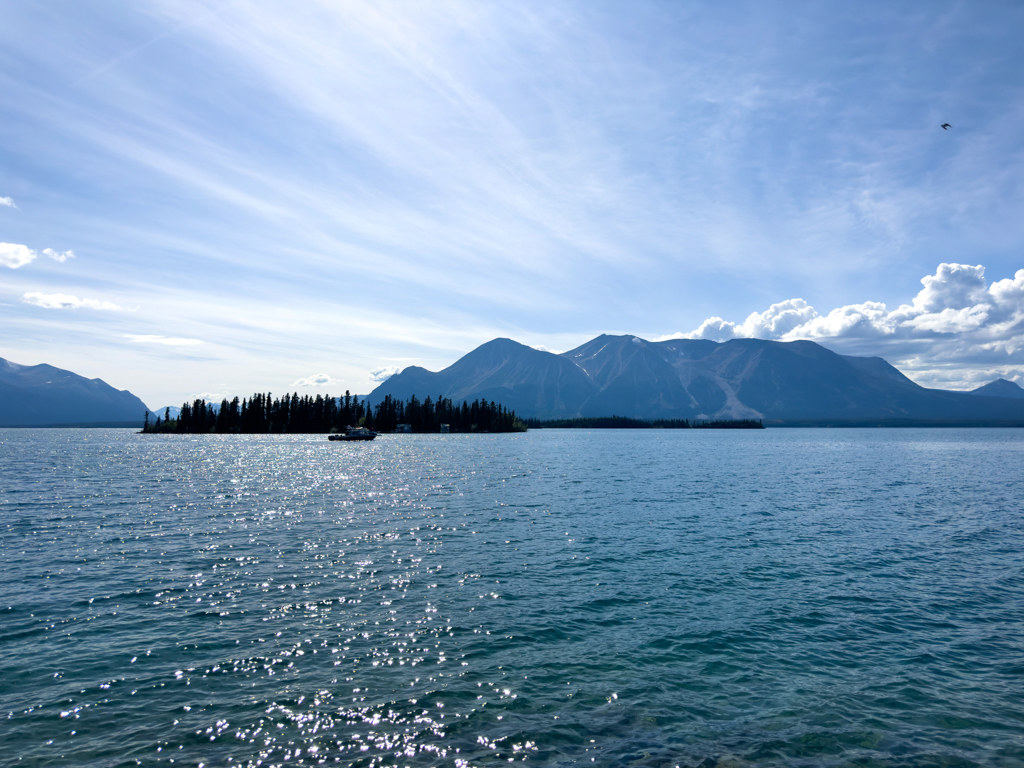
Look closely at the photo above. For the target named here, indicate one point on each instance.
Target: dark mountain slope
(999, 388)
(801, 381)
(631, 378)
(41, 395)
(796, 382)
(521, 378)
(876, 366)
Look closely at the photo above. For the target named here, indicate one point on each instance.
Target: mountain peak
(501, 341)
(999, 388)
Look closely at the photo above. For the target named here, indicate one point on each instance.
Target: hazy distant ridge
(41, 395)
(780, 382)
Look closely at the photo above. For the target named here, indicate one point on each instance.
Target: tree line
(292, 414)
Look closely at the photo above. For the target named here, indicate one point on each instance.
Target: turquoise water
(615, 598)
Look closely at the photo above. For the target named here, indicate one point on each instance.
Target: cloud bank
(67, 301)
(959, 331)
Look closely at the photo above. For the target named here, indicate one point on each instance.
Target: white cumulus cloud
(776, 321)
(169, 341)
(383, 374)
(60, 256)
(958, 331)
(67, 301)
(714, 328)
(208, 397)
(13, 255)
(316, 380)
(7, 202)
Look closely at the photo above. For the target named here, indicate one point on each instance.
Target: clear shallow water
(615, 598)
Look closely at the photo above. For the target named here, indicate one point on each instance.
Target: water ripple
(799, 598)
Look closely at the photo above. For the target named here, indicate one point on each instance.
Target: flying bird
(946, 126)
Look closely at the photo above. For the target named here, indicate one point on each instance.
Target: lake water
(609, 598)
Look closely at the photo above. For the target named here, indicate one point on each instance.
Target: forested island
(624, 422)
(291, 414)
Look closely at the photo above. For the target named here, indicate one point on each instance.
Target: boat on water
(354, 433)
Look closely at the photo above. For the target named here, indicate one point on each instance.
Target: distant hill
(175, 411)
(41, 395)
(796, 382)
(1000, 388)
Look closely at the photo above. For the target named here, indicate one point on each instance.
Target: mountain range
(797, 382)
(41, 395)
(781, 383)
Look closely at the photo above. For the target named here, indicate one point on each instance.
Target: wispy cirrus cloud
(8, 202)
(958, 330)
(67, 301)
(167, 341)
(451, 172)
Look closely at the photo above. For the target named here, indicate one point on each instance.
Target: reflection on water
(804, 597)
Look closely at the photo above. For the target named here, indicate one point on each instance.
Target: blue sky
(219, 197)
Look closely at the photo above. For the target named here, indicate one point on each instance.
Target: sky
(211, 198)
